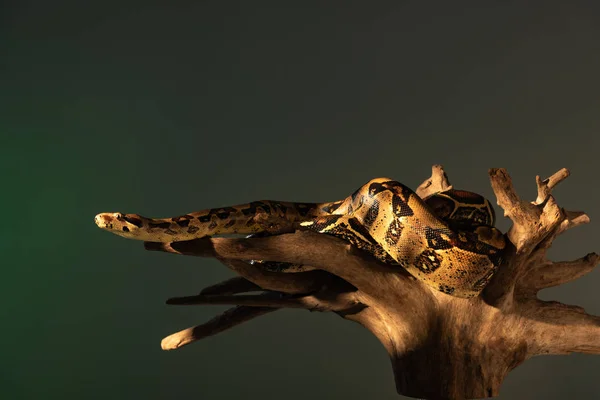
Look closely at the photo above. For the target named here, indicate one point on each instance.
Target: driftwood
(441, 347)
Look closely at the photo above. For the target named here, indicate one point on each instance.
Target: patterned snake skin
(448, 240)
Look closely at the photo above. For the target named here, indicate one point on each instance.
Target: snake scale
(447, 240)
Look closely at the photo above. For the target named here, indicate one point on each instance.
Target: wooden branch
(560, 328)
(580, 338)
(291, 283)
(558, 273)
(535, 225)
(230, 318)
(438, 182)
(354, 266)
(273, 300)
(545, 186)
(441, 347)
(572, 219)
(531, 222)
(234, 285)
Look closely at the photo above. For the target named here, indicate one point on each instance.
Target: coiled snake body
(446, 240)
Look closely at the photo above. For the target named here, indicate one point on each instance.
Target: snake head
(127, 225)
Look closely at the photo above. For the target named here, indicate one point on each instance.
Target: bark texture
(441, 347)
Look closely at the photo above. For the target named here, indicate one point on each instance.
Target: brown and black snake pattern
(447, 240)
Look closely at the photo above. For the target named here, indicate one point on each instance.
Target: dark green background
(160, 110)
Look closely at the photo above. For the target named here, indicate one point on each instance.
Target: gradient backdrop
(163, 109)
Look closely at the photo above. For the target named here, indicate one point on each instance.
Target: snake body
(448, 240)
